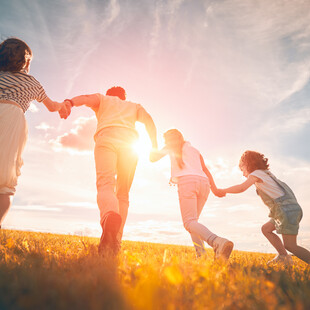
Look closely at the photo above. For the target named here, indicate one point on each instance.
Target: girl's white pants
(193, 193)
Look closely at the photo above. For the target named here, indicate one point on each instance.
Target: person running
(285, 212)
(115, 158)
(17, 89)
(194, 180)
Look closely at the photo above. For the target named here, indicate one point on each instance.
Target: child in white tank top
(285, 212)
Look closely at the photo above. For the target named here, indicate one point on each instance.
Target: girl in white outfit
(17, 90)
(194, 180)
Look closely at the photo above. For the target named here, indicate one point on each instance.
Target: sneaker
(222, 248)
(281, 259)
(110, 229)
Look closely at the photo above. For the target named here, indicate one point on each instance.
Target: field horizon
(54, 271)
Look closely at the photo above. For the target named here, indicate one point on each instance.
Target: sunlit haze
(231, 75)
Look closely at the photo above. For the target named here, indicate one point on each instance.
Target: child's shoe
(281, 259)
(222, 248)
(110, 229)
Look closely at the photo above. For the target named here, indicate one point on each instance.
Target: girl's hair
(253, 161)
(117, 91)
(14, 53)
(174, 141)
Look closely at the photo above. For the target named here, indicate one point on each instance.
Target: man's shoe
(110, 229)
(222, 248)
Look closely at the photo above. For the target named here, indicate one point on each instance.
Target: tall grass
(46, 271)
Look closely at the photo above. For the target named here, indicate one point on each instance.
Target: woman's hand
(65, 110)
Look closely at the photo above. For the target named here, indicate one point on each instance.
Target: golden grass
(47, 271)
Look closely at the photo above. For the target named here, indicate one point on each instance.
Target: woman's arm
(158, 154)
(51, 105)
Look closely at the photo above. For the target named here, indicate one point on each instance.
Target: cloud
(39, 208)
(33, 108)
(288, 122)
(79, 138)
(44, 126)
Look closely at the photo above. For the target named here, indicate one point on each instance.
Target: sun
(143, 146)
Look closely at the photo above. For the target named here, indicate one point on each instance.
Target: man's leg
(106, 159)
(126, 167)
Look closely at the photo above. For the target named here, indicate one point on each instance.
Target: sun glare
(143, 146)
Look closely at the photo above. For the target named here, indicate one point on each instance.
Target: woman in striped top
(17, 90)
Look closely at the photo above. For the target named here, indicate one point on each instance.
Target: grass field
(46, 271)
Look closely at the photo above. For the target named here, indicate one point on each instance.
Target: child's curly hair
(14, 54)
(253, 161)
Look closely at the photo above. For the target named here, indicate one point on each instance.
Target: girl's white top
(192, 164)
(268, 186)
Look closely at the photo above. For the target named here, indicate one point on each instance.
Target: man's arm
(91, 101)
(149, 124)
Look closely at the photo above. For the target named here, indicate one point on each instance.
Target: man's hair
(253, 161)
(14, 54)
(117, 91)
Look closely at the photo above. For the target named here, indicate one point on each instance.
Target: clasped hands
(65, 110)
(219, 192)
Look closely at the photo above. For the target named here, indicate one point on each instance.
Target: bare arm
(149, 124)
(51, 105)
(209, 175)
(240, 188)
(91, 101)
(158, 154)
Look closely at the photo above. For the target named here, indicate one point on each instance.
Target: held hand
(65, 110)
(219, 193)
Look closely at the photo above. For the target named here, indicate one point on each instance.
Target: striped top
(21, 88)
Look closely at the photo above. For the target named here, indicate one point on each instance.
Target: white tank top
(192, 164)
(268, 186)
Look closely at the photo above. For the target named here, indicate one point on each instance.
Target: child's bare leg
(5, 203)
(267, 230)
(290, 243)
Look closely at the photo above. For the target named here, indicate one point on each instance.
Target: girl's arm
(209, 175)
(240, 188)
(158, 154)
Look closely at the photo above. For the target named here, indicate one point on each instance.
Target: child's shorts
(287, 218)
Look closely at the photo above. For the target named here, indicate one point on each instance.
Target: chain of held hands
(65, 111)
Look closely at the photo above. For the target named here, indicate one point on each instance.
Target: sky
(231, 75)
